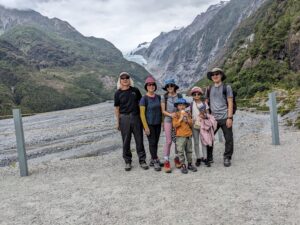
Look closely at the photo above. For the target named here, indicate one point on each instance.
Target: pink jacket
(207, 130)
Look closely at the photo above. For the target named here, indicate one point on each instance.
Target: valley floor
(261, 186)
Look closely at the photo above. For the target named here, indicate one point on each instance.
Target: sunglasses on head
(170, 85)
(124, 77)
(215, 73)
(151, 84)
(196, 94)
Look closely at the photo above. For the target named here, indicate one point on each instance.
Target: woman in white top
(197, 102)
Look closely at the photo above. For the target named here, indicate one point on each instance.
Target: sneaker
(192, 168)
(128, 167)
(207, 163)
(144, 165)
(184, 169)
(151, 162)
(177, 162)
(167, 167)
(198, 162)
(227, 162)
(156, 165)
(160, 163)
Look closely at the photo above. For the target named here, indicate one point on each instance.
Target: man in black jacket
(127, 113)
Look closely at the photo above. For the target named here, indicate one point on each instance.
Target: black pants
(153, 139)
(131, 124)
(228, 135)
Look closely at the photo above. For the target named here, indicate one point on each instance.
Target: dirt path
(261, 186)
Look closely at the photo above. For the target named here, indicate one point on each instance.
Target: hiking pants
(131, 124)
(153, 139)
(184, 145)
(228, 135)
(196, 138)
(168, 133)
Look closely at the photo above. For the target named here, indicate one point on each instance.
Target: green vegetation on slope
(269, 60)
(42, 71)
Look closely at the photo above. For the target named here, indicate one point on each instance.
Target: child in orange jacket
(183, 125)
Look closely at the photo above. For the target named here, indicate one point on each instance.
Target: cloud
(125, 23)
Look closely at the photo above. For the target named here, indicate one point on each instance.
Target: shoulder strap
(208, 92)
(166, 100)
(225, 91)
(159, 98)
(146, 101)
(191, 107)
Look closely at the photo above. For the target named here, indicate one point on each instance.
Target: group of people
(181, 121)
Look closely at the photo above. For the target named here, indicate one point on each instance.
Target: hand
(173, 115)
(118, 127)
(147, 131)
(229, 123)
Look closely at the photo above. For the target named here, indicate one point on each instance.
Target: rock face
(51, 66)
(186, 54)
(263, 54)
(294, 50)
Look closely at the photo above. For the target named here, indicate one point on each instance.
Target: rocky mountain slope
(45, 64)
(185, 54)
(264, 54)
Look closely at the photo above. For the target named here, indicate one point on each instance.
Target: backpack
(166, 98)
(191, 106)
(225, 97)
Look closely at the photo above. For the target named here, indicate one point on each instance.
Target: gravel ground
(261, 186)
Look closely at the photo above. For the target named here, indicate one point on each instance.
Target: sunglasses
(215, 74)
(170, 85)
(196, 94)
(151, 84)
(125, 78)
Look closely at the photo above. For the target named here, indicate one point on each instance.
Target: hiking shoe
(177, 162)
(128, 166)
(167, 167)
(227, 162)
(160, 163)
(151, 163)
(198, 162)
(207, 162)
(144, 165)
(192, 168)
(211, 160)
(157, 165)
(184, 169)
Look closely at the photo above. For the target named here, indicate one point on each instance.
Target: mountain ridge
(46, 65)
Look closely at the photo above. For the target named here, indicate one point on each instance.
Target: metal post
(20, 142)
(274, 119)
(220, 135)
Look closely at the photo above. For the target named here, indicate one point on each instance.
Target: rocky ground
(67, 187)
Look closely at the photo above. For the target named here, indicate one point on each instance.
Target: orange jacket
(183, 129)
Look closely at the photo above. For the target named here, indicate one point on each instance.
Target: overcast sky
(125, 23)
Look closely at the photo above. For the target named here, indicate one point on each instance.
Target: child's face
(181, 107)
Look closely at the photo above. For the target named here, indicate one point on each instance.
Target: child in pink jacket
(208, 125)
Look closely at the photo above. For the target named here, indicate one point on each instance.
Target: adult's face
(216, 77)
(170, 88)
(125, 80)
(151, 87)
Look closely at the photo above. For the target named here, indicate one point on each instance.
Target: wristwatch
(230, 118)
